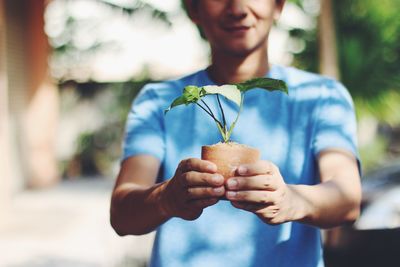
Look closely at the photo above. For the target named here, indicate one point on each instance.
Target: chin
(240, 50)
(242, 47)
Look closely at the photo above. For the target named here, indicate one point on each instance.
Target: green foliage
(264, 83)
(231, 92)
(234, 92)
(369, 46)
(368, 41)
(389, 114)
(373, 151)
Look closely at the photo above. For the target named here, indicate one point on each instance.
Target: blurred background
(69, 70)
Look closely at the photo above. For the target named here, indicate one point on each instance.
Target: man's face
(237, 27)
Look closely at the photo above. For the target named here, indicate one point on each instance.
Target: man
(308, 176)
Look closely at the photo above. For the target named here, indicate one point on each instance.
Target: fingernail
(230, 194)
(218, 190)
(217, 179)
(232, 183)
(242, 170)
(211, 168)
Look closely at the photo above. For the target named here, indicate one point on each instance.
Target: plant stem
(209, 113)
(219, 124)
(237, 117)
(222, 111)
(209, 109)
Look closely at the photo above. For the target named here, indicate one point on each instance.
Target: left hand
(260, 188)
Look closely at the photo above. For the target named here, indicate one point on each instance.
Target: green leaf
(229, 91)
(191, 93)
(265, 83)
(178, 101)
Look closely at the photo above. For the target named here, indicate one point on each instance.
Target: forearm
(325, 205)
(137, 209)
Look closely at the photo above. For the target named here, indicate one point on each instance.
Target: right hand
(195, 186)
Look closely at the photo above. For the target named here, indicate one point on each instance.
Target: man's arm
(135, 206)
(337, 198)
(334, 201)
(138, 205)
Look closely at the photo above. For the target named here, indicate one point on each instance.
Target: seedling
(234, 92)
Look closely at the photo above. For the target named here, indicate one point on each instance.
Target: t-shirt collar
(274, 72)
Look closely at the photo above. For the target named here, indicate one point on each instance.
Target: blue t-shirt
(289, 130)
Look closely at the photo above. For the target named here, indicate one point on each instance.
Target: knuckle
(189, 164)
(241, 183)
(189, 191)
(206, 178)
(185, 175)
(238, 195)
(185, 178)
(276, 200)
(192, 163)
(205, 191)
(182, 163)
(190, 175)
(264, 198)
(266, 181)
(241, 195)
(267, 166)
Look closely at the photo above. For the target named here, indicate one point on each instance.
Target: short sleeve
(335, 121)
(144, 131)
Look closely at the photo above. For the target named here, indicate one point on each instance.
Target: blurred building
(28, 100)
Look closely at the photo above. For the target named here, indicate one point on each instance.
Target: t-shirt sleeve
(144, 131)
(335, 121)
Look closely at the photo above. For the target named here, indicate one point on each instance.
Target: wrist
(163, 202)
(301, 208)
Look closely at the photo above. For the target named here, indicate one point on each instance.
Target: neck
(227, 68)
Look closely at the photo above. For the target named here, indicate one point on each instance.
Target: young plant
(234, 92)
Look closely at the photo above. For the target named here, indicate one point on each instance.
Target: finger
(261, 196)
(258, 182)
(269, 214)
(205, 192)
(199, 165)
(203, 203)
(248, 206)
(259, 167)
(193, 178)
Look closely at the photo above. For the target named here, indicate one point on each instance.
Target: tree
(368, 49)
(328, 58)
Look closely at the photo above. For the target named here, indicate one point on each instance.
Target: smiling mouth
(238, 28)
